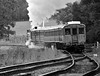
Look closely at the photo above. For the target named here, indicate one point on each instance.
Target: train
(70, 36)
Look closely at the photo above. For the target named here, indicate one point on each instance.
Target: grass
(12, 55)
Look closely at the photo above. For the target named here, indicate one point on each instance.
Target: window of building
(81, 30)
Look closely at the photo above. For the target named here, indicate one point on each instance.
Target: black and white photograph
(49, 37)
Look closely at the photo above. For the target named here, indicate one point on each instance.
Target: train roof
(74, 22)
(57, 26)
(49, 27)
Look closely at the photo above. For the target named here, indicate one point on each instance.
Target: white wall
(21, 27)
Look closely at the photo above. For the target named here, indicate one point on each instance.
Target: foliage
(76, 11)
(64, 15)
(87, 11)
(21, 12)
(93, 15)
(7, 8)
(11, 11)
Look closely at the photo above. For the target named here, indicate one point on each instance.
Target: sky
(39, 10)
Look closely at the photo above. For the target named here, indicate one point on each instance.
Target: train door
(81, 36)
(74, 35)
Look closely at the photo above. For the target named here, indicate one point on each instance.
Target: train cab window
(67, 31)
(81, 30)
(74, 31)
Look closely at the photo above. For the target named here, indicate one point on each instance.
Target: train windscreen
(67, 31)
(74, 31)
(81, 30)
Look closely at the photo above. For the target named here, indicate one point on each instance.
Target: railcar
(70, 36)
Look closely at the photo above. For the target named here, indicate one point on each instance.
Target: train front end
(75, 36)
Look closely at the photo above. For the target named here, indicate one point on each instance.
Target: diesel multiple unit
(65, 36)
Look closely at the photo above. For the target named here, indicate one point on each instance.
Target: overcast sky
(39, 9)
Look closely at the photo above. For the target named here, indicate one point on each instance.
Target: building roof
(21, 27)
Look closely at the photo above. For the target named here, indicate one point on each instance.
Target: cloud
(40, 9)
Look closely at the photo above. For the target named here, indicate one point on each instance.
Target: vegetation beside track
(81, 66)
(95, 54)
(12, 55)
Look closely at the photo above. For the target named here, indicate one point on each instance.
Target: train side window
(56, 33)
(50, 33)
(81, 30)
(41, 32)
(35, 33)
(67, 31)
(45, 33)
(74, 31)
(53, 33)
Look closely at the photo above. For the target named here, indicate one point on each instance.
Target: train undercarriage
(71, 48)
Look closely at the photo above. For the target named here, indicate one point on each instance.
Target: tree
(21, 12)
(90, 8)
(87, 11)
(76, 11)
(64, 15)
(7, 8)
(11, 11)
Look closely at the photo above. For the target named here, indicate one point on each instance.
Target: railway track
(66, 70)
(11, 70)
(94, 71)
(56, 67)
(20, 66)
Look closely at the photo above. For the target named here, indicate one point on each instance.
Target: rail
(31, 66)
(92, 72)
(53, 73)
